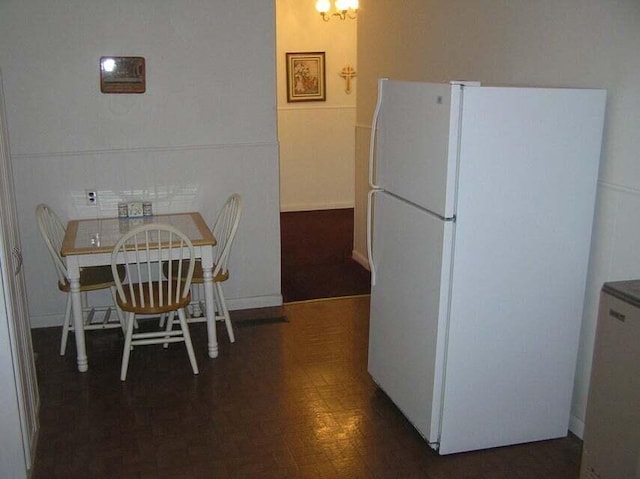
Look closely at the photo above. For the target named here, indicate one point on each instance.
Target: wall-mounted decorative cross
(348, 73)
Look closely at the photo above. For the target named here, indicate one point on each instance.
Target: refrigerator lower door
(412, 251)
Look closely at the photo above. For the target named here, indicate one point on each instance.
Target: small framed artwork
(306, 77)
(122, 75)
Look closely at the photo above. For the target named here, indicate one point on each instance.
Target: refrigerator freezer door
(411, 249)
(416, 154)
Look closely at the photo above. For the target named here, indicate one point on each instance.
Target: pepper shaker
(123, 210)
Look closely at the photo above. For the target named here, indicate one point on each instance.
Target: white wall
(581, 43)
(206, 126)
(316, 138)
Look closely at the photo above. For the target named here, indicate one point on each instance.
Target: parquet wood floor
(290, 399)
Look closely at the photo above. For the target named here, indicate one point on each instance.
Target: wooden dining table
(90, 242)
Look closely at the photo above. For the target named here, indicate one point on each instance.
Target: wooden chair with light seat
(147, 292)
(93, 278)
(224, 230)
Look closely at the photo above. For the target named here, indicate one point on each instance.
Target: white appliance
(480, 218)
(611, 448)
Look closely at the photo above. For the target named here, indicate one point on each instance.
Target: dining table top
(99, 235)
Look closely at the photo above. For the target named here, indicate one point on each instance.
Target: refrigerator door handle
(374, 128)
(374, 187)
(372, 266)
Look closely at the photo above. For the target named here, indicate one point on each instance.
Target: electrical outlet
(92, 197)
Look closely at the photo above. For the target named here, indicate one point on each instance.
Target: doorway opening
(317, 158)
(316, 256)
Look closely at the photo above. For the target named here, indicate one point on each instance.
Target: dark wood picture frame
(122, 75)
(306, 77)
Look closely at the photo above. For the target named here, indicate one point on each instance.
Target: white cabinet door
(612, 426)
(20, 391)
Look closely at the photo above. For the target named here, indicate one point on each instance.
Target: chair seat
(142, 295)
(198, 277)
(94, 278)
(148, 293)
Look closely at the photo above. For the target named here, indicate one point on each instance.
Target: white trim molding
(317, 206)
(56, 320)
(143, 149)
(576, 426)
(360, 259)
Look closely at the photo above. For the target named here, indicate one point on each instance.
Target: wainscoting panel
(173, 179)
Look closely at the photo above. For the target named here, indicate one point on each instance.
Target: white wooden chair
(224, 229)
(142, 251)
(93, 278)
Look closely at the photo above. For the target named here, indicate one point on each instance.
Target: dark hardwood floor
(316, 256)
(290, 399)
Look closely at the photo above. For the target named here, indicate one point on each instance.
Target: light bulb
(353, 4)
(323, 6)
(108, 64)
(342, 5)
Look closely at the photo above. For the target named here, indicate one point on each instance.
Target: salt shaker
(123, 210)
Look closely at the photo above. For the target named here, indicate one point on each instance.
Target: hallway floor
(290, 399)
(316, 256)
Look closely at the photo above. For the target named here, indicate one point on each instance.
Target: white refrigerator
(480, 215)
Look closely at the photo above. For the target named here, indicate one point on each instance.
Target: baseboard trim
(53, 320)
(46, 321)
(333, 298)
(360, 259)
(255, 302)
(576, 426)
(315, 207)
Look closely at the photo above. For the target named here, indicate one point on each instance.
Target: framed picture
(122, 75)
(306, 77)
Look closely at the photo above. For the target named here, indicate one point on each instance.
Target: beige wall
(581, 43)
(206, 126)
(316, 138)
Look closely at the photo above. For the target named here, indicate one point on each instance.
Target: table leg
(76, 307)
(207, 266)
